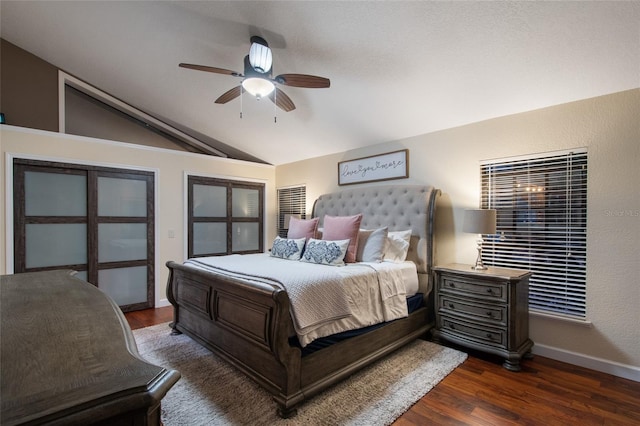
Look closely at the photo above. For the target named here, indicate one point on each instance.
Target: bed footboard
(247, 324)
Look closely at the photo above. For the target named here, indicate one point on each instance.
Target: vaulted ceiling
(397, 69)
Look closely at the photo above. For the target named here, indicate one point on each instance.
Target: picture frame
(392, 165)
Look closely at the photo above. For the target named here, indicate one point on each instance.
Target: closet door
(51, 220)
(123, 235)
(97, 221)
(225, 217)
(246, 219)
(208, 230)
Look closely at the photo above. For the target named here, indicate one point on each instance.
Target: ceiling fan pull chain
(241, 93)
(275, 106)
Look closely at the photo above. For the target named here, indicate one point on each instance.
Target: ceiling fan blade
(210, 69)
(303, 80)
(281, 100)
(230, 95)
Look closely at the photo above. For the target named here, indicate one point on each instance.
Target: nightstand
(484, 310)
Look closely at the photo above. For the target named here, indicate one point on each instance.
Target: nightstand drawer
(469, 287)
(476, 332)
(496, 314)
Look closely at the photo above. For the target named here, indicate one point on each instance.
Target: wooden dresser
(484, 310)
(69, 357)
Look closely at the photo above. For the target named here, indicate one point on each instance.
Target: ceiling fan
(257, 78)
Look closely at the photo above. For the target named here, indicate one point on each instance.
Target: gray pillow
(372, 244)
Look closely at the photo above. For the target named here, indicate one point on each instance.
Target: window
(225, 217)
(95, 220)
(291, 201)
(541, 205)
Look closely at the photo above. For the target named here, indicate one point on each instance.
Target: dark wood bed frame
(249, 324)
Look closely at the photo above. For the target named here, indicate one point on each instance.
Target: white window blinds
(291, 201)
(541, 205)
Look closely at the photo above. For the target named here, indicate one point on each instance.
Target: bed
(249, 322)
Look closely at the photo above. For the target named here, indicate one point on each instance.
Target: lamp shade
(480, 221)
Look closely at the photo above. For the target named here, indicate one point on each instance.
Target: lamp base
(479, 266)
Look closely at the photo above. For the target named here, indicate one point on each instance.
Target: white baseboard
(603, 365)
(162, 303)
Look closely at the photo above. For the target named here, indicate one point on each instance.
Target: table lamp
(479, 221)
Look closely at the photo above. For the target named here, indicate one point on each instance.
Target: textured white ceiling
(397, 69)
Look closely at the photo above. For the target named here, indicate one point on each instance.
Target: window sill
(560, 317)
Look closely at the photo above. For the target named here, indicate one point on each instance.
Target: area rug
(211, 392)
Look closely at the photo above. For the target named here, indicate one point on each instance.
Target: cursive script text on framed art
(392, 165)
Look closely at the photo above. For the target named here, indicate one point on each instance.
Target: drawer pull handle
(490, 336)
(451, 306)
(453, 327)
(490, 291)
(452, 285)
(489, 314)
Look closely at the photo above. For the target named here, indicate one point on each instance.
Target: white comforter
(324, 299)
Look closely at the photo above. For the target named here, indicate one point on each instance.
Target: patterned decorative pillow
(299, 228)
(398, 246)
(290, 249)
(325, 252)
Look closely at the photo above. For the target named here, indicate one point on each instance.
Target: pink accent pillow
(299, 228)
(341, 228)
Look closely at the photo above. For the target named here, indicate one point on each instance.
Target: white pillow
(290, 249)
(398, 246)
(372, 245)
(325, 252)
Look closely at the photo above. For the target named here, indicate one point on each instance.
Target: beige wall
(609, 127)
(170, 165)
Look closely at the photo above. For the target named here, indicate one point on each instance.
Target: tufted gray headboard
(399, 207)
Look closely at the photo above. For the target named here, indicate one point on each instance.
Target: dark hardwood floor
(481, 392)
(149, 317)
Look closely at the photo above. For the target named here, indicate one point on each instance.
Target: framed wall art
(392, 165)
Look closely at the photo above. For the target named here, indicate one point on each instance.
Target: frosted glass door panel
(209, 201)
(246, 236)
(122, 241)
(246, 202)
(209, 238)
(125, 285)
(54, 244)
(55, 194)
(122, 197)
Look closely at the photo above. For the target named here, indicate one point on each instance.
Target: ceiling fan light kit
(257, 78)
(258, 87)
